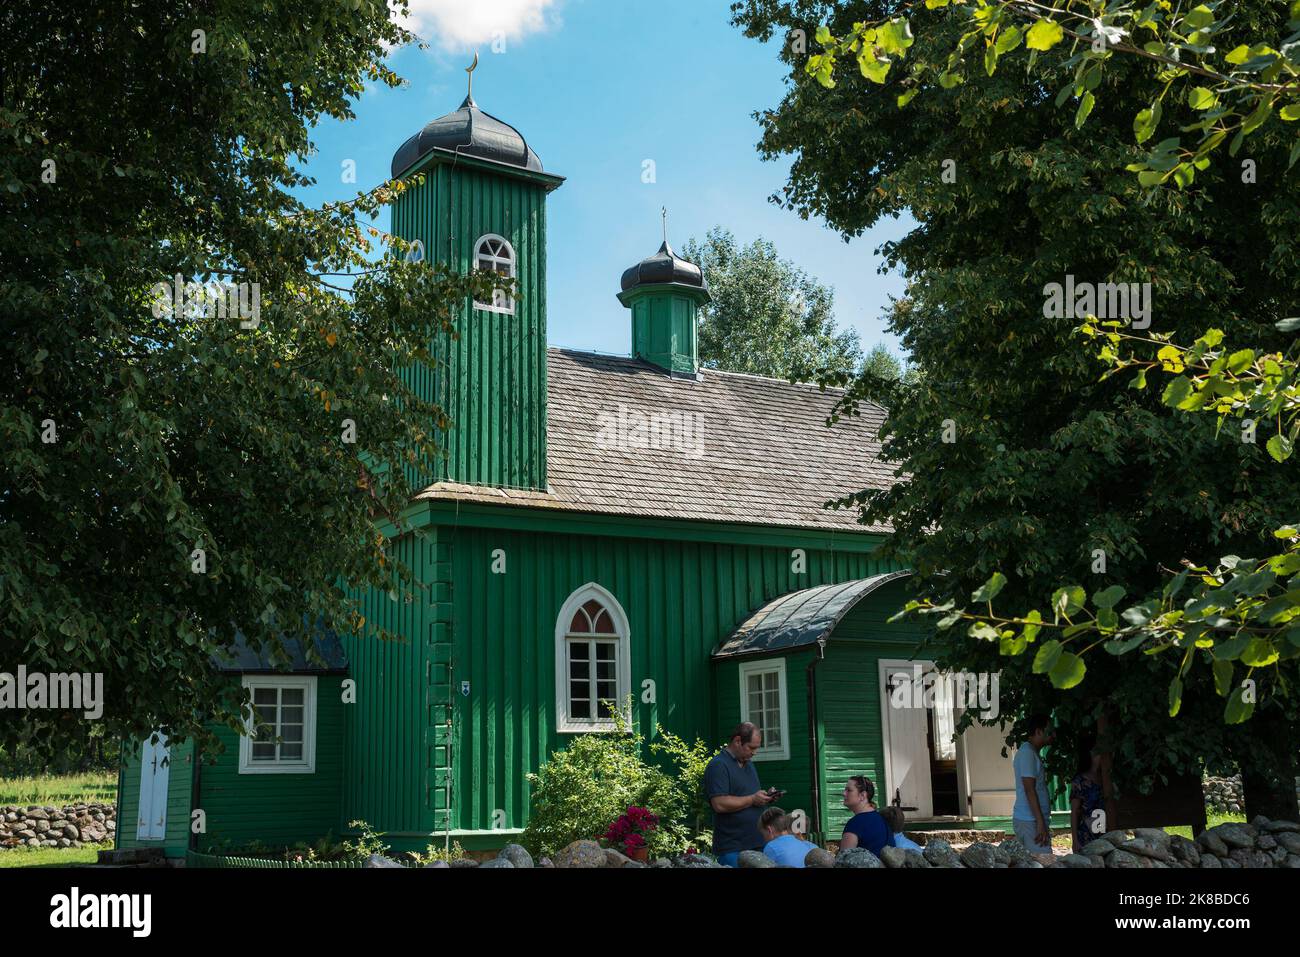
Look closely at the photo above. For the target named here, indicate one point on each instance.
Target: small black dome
(471, 132)
(664, 266)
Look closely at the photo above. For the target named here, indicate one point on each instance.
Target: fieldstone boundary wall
(1223, 795)
(1260, 844)
(73, 825)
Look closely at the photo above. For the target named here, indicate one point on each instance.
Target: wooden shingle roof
(625, 438)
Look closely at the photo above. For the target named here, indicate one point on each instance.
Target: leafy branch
(1241, 611)
(1243, 384)
(1247, 85)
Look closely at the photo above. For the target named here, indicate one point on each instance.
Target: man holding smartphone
(731, 785)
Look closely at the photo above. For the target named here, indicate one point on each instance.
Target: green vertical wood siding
(271, 808)
(681, 599)
(415, 758)
(277, 809)
(664, 325)
(178, 800)
(491, 377)
(794, 776)
(852, 740)
(385, 762)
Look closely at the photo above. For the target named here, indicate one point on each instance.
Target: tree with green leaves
(767, 316)
(882, 363)
(1242, 612)
(182, 465)
(1232, 87)
(1023, 460)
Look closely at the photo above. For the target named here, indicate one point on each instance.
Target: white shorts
(1026, 831)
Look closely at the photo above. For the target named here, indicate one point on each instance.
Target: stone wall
(1223, 794)
(1261, 843)
(73, 825)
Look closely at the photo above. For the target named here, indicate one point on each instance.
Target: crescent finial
(470, 70)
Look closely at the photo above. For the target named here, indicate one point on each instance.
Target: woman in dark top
(867, 828)
(1086, 796)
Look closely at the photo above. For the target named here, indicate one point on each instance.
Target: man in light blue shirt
(1032, 810)
(782, 845)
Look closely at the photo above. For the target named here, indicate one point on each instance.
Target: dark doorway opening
(943, 769)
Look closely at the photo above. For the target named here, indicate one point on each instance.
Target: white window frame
(307, 765)
(508, 308)
(777, 666)
(564, 723)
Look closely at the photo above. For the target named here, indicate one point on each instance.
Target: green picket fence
(222, 861)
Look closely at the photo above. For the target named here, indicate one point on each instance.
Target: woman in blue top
(867, 828)
(1086, 798)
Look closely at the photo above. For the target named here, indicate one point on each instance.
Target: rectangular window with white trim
(763, 703)
(282, 737)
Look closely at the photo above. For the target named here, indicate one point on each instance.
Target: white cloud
(457, 25)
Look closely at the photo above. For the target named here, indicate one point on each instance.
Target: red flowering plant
(632, 828)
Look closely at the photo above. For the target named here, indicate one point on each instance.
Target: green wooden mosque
(600, 527)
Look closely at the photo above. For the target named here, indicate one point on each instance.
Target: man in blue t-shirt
(1032, 810)
(731, 785)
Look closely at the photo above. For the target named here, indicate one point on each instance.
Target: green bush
(438, 852)
(322, 849)
(691, 761)
(584, 788)
(368, 842)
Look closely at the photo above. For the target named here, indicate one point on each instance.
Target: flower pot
(641, 854)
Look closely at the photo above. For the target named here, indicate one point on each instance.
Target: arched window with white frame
(592, 667)
(494, 253)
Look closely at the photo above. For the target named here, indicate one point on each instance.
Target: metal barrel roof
(332, 658)
(799, 617)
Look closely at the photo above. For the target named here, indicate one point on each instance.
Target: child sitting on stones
(895, 818)
(782, 845)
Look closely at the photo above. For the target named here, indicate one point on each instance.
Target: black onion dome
(664, 266)
(471, 132)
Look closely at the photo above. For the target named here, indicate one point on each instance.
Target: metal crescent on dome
(469, 93)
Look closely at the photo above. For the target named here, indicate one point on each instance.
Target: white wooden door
(155, 768)
(907, 755)
(990, 784)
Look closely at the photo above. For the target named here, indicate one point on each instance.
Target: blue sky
(597, 87)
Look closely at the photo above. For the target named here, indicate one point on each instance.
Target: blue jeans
(730, 859)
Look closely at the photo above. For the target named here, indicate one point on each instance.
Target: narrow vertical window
(493, 253)
(592, 666)
(763, 703)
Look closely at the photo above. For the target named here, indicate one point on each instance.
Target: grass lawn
(1062, 841)
(1211, 819)
(56, 790)
(98, 786)
(51, 856)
